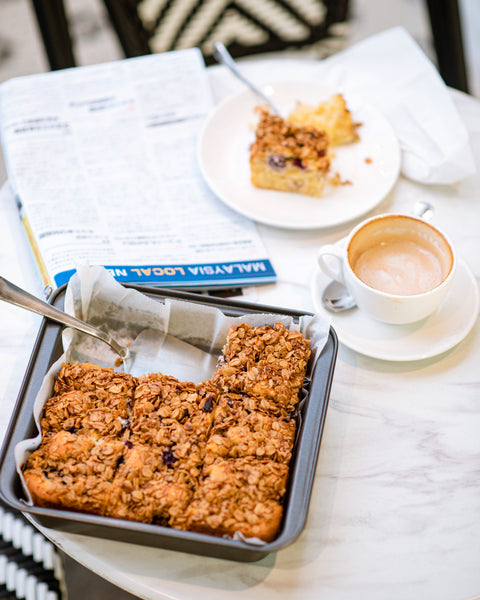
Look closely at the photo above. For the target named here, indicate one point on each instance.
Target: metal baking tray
(48, 348)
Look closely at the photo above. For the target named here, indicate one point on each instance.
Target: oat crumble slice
(73, 472)
(82, 413)
(264, 361)
(288, 157)
(152, 486)
(168, 412)
(240, 432)
(66, 411)
(239, 495)
(109, 388)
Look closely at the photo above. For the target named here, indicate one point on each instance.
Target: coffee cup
(398, 268)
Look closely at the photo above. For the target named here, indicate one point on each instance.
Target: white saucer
(438, 333)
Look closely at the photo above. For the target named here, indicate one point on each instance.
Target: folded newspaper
(102, 161)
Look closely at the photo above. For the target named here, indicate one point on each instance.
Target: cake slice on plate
(288, 157)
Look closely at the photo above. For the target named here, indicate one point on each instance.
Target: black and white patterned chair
(245, 26)
(30, 566)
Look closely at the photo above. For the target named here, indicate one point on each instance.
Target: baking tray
(48, 348)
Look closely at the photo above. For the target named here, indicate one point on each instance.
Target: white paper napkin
(390, 71)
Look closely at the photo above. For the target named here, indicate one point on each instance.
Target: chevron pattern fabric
(245, 26)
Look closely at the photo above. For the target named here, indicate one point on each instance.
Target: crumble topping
(212, 457)
(279, 141)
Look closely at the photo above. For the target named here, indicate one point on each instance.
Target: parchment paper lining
(175, 337)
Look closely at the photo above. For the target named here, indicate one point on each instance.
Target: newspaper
(102, 161)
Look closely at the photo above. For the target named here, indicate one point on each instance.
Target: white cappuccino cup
(398, 268)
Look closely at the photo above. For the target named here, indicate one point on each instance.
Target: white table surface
(395, 510)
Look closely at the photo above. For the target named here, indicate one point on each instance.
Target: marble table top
(396, 500)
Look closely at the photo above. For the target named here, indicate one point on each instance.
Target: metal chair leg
(53, 24)
(448, 41)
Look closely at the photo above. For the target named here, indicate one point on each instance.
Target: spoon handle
(223, 56)
(15, 295)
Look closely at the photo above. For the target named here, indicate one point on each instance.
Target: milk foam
(400, 267)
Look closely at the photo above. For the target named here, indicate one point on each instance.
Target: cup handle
(331, 250)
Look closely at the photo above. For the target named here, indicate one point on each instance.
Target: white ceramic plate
(438, 333)
(223, 152)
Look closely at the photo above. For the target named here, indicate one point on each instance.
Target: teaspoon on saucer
(336, 297)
